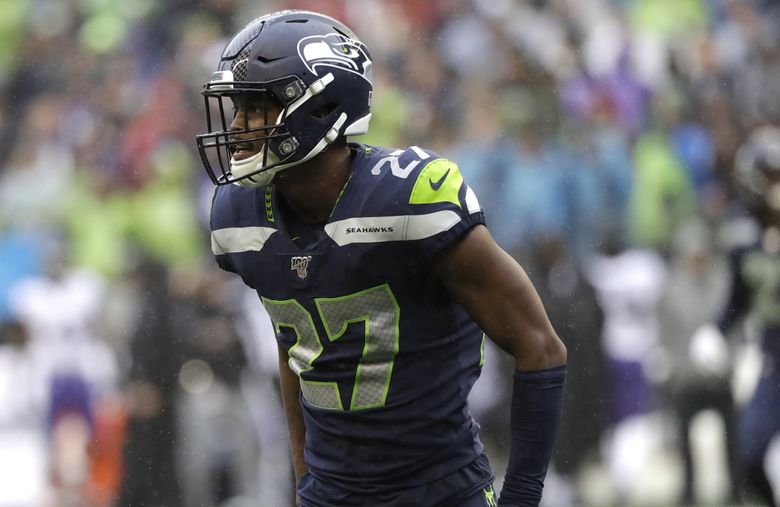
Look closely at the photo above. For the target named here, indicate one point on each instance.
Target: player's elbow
(556, 352)
(542, 350)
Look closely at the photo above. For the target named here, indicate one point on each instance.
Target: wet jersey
(385, 356)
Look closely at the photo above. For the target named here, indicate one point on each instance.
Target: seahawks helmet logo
(335, 50)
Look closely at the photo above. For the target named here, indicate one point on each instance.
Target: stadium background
(599, 136)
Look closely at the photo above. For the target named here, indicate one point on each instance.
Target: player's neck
(313, 188)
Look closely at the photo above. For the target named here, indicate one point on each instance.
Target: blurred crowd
(599, 136)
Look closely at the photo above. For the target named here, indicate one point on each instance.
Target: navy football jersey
(386, 358)
(756, 292)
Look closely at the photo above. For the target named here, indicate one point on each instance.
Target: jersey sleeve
(218, 230)
(441, 206)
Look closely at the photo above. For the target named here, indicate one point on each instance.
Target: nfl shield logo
(300, 264)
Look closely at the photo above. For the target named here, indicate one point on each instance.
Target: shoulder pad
(415, 176)
(438, 181)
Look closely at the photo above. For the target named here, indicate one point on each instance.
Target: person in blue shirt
(379, 276)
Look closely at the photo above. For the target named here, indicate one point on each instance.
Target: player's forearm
(536, 409)
(290, 387)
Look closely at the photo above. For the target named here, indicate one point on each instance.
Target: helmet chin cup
(249, 172)
(258, 180)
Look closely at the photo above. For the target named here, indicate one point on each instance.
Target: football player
(379, 276)
(756, 293)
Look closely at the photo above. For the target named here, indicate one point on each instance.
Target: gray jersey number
(377, 309)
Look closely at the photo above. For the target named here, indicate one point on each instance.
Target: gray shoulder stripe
(239, 239)
(393, 228)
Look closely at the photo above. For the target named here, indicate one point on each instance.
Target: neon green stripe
(482, 350)
(269, 208)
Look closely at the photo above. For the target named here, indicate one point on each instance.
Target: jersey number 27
(377, 309)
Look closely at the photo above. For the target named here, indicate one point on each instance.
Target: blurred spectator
(216, 443)
(531, 189)
(20, 257)
(628, 283)
(60, 312)
(150, 476)
(575, 313)
(662, 196)
(23, 461)
(695, 291)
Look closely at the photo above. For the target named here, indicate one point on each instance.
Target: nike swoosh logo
(436, 185)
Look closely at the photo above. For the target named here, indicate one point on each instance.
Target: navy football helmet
(757, 168)
(310, 67)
